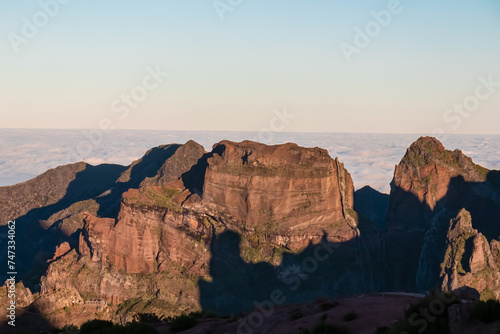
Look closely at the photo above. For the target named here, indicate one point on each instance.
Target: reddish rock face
(423, 179)
(207, 226)
(61, 250)
(147, 235)
(292, 195)
(287, 186)
(180, 162)
(276, 199)
(429, 184)
(469, 259)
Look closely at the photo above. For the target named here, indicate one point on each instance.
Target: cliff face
(181, 230)
(429, 175)
(294, 191)
(430, 186)
(283, 196)
(468, 259)
(167, 234)
(149, 233)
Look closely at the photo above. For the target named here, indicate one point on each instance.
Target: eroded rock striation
(162, 246)
(293, 192)
(183, 230)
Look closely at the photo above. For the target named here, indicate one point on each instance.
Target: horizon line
(277, 132)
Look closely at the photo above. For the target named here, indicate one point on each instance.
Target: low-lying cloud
(370, 158)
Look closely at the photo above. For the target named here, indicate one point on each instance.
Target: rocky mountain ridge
(184, 230)
(431, 186)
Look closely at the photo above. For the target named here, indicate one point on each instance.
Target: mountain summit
(183, 230)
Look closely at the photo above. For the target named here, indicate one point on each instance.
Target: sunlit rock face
(430, 186)
(293, 190)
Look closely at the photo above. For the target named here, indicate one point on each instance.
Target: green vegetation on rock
(455, 252)
(427, 150)
(487, 294)
(163, 197)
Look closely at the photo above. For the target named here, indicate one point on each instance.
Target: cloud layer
(370, 158)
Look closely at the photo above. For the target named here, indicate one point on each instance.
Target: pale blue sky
(264, 55)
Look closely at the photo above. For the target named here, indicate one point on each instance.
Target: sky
(393, 66)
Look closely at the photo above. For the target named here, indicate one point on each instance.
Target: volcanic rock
(430, 186)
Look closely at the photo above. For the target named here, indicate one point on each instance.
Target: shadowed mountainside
(430, 187)
(50, 206)
(277, 201)
(184, 230)
(373, 205)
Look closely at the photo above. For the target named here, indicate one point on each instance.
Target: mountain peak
(289, 155)
(428, 143)
(428, 151)
(425, 149)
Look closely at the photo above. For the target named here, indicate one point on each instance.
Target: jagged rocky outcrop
(469, 260)
(35, 204)
(50, 210)
(430, 186)
(163, 245)
(162, 164)
(182, 229)
(429, 176)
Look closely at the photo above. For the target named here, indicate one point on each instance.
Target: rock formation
(468, 259)
(430, 186)
(279, 199)
(181, 230)
(291, 191)
(44, 190)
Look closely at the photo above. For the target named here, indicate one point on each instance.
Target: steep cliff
(430, 186)
(293, 193)
(162, 249)
(429, 175)
(468, 260)
(182, 230)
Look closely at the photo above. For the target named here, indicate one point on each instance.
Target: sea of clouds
(370, 158)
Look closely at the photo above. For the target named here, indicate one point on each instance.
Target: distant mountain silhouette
(372, 204)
